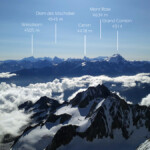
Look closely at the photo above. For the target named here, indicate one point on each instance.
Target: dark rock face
(106, 113)
(63, 118)
(45, 103)
(26, 106)
(97, 127)
(42, 104)
(63, 137)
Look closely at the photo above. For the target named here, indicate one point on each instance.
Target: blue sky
(134, 38)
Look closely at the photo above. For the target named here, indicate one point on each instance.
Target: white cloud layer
(146, 100)
(12, 122)
(7, 75)
(11, 95)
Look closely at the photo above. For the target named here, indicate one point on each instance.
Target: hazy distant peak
(29, 58)
(116, 58)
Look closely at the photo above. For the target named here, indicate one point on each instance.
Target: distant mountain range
(115, 65)
(93, 119)
(32, 62)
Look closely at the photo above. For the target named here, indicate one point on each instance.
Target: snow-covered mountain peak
(94, 114)
(82, 99)
(116, 58)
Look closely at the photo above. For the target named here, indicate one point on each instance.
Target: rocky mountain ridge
(93, 114)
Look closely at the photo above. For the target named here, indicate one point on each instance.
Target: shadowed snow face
(11, 95)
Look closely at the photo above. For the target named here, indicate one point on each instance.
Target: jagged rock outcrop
(41, 108)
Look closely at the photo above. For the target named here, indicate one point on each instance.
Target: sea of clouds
(11, 96)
